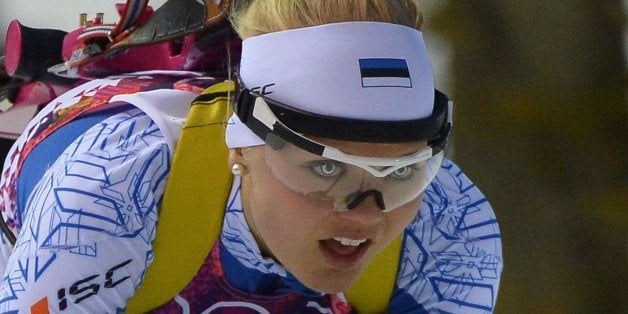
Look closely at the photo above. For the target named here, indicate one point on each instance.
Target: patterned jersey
(85, 206)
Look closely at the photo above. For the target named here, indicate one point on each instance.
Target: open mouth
(349, 242)
(343, 253)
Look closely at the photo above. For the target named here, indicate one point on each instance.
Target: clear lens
(334, 184)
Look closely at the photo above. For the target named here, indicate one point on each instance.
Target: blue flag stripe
(383, 63)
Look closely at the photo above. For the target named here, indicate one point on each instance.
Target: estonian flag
(384, 72)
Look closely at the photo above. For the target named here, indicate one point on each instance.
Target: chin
(332, 282)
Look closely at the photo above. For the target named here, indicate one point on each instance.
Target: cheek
(399, 218)
(276, 202)
(280, 220)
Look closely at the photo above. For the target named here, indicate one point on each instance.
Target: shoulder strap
(372, 292)
(192, 211)
(199, 169)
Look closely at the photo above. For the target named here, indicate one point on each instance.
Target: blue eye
(326, 168)
(402, 173)
(406, 172)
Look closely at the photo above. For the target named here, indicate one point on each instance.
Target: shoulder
(120, 163)
(457, 208)
(452, 257)
(164, 97)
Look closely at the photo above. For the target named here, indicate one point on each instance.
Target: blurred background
(540, 126)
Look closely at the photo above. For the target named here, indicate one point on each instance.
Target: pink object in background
(38, 93)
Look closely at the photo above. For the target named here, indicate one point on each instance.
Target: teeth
(349, 242)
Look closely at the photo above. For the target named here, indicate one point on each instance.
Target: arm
(88, 225)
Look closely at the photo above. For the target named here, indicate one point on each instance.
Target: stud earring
(237, 169)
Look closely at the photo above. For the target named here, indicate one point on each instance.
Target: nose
(354, 199)
(364, 208)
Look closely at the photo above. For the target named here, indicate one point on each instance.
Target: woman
(337, 146)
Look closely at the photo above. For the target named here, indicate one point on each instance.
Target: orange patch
(41, 307)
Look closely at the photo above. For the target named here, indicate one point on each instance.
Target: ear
(235, 157)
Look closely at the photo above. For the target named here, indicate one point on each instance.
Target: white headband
(360, 70)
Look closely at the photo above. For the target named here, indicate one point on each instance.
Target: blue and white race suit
(84, 205)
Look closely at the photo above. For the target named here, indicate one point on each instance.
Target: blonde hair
(256, 17)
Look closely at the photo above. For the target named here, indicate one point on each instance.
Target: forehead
(373, 149)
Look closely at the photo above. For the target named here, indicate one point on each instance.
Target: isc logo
(89, 286)
(263, 90)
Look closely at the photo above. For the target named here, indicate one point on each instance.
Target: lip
(340, 256)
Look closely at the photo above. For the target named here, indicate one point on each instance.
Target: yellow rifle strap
(373, 290)
(191, 215)
(199, 184)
